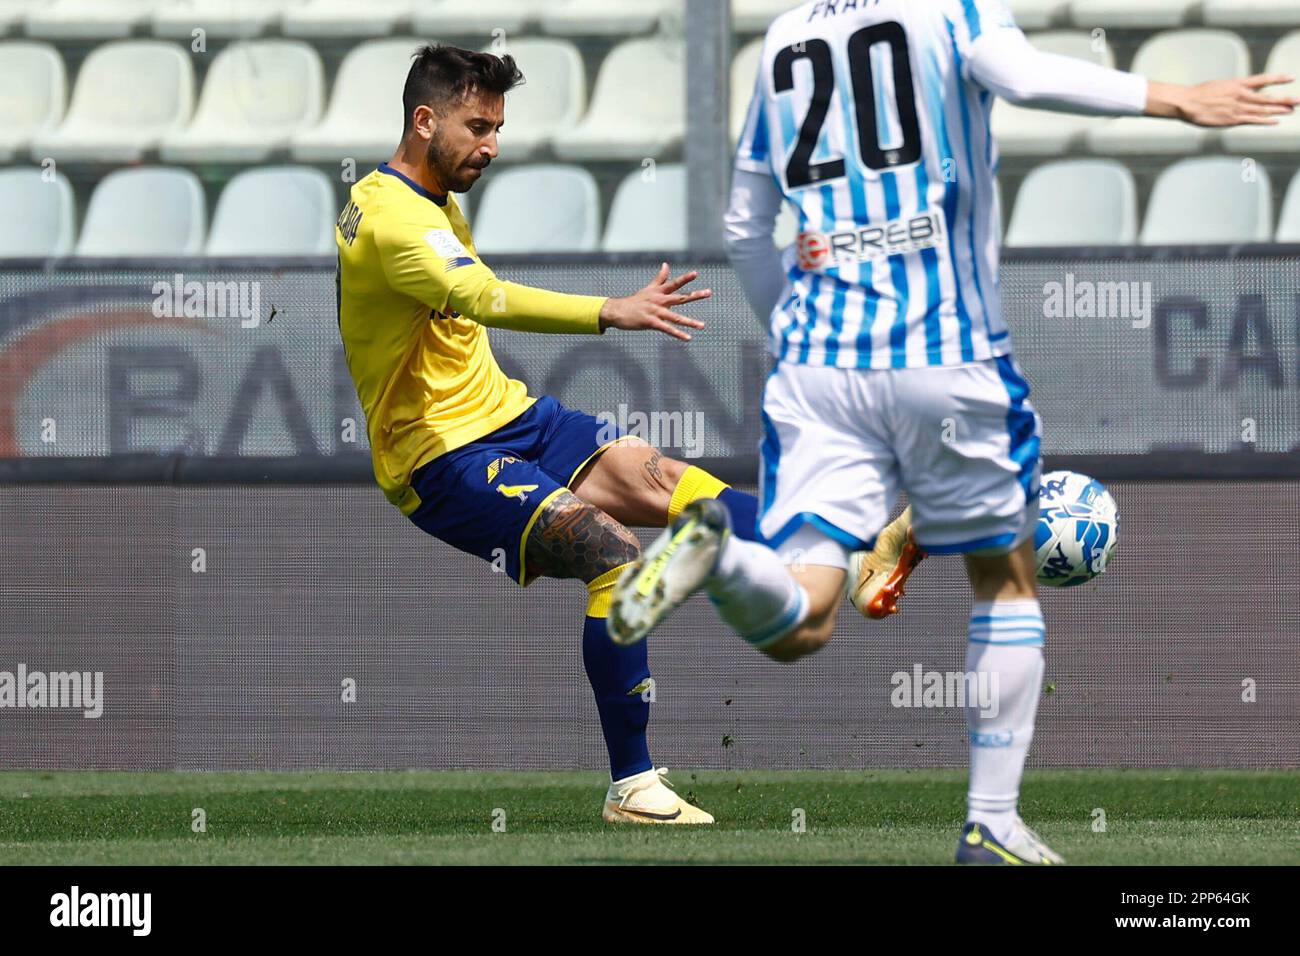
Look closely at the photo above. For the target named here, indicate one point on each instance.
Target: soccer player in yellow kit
(463, 450)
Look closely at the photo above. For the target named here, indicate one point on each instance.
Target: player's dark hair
(443, 75)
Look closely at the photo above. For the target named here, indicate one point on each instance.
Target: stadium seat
(630, 118)
(553, 97)
(1179, 56)
(457, 18)
(256, 95)
(609, 17)
(35, 96)
(46, 210)
(89, 19)
(1252, 13)
(755, 16)
(150, 211)
(1288, 225)
(364, 119)
(14, 12)
(1209, 200)
(129, 95)
(744, 73)
(1285, 136)
(1076, 203)
(221, 19)
(1133, 14)
(275, 211)
(545, 208)
(649, 211)
(1038, 14)
(346, 18)
(1021, 131)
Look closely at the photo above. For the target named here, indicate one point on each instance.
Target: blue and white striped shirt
(865, 114)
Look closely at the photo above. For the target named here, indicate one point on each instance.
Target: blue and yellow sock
(620, 679)
(697, 483)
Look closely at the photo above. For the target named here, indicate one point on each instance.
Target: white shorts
(840, 444)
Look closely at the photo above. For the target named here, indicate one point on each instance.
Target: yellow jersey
(413, 300)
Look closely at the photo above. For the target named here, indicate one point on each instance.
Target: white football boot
(648, 798)
(675, 565)
(876, 577)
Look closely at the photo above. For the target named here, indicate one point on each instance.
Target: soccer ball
(1077, 529)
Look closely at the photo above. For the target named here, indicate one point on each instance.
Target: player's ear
(424, 121)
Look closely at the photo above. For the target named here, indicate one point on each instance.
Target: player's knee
(574, 539)
(1009, 575)
(662, 474)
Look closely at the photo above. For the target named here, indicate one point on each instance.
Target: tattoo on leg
(652, 465)
(572, 539)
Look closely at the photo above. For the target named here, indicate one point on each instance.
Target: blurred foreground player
(894, 367)
(464, 451)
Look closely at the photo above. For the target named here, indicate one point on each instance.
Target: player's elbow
(743, 238)
(485, 303)
(733, 244)
(733, 231)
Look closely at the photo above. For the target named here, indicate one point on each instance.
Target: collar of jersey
(390, 171)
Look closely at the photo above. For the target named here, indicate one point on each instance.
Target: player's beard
(448, 168)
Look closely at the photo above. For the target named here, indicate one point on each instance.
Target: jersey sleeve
(748, 223)
(754, 154)
(1007, 65)
(426, 260)
(972, 19)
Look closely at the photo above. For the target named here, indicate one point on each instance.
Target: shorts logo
(495, 467)
(816, 251)
(516, 491)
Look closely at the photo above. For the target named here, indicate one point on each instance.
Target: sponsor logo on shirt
(819, 251)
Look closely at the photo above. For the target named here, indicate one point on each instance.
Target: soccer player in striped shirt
(894, 365)
(465, 451)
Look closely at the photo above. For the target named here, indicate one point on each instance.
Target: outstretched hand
(652, 307)
(1224, 102)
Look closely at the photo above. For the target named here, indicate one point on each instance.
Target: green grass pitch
(418, 817)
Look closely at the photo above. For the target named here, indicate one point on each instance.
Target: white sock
(1006, 644)
(755, 593)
